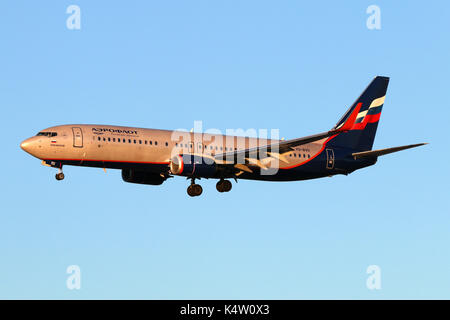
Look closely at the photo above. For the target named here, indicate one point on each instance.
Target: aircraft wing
(274, 148)
(253, 156)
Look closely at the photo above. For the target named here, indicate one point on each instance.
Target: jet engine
(142, 177)
(193, 166)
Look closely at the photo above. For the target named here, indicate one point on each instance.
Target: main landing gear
(223, 185)
(194, 189)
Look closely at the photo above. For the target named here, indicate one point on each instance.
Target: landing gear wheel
(227, 185)
(197, 189)
(194, 190)
(223, 186)
(219, 186)
(190, 191)
(59, 176)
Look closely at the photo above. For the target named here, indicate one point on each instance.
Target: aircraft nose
(26, 145)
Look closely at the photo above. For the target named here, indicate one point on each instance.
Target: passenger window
(114, 139)
(167, 144)
(129, 140)
(145, 141)
(104, 139)
(140, 141)
(99, 139)
(156, 143)
(134, 141)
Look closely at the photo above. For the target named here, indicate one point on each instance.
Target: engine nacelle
(142, 177)
(193, 166)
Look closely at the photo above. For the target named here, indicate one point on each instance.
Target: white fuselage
(114, 144)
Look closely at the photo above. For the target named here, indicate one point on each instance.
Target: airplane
(150, 156)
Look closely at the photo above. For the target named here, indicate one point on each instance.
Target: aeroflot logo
(103, 130)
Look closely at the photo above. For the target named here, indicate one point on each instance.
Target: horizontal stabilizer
(382, 152)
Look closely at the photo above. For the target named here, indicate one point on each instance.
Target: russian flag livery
(370, 103)
(372, 114)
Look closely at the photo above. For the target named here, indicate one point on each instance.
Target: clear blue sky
(290, 65)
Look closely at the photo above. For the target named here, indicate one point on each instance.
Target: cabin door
(330, 158)
(77, 137)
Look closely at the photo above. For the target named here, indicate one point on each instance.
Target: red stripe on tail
(349, 123)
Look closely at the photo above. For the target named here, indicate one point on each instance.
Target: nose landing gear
(60, 175)
(194, 190)
(223, 185)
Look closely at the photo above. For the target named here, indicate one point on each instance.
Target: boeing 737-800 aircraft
(149, 156)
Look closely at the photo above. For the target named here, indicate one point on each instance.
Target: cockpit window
(47, 134)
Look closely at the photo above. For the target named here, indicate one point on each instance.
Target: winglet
(348, 124)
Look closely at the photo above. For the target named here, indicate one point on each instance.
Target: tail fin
(361, 134)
